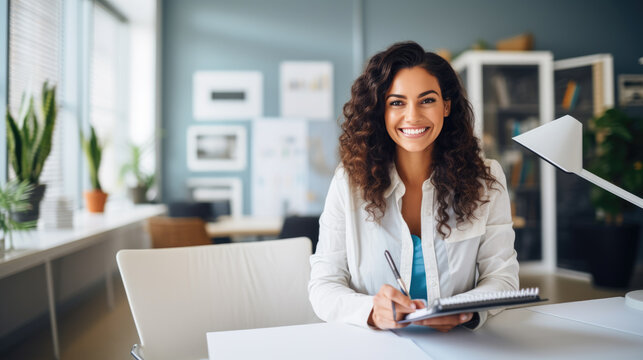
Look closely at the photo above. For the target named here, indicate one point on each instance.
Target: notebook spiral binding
(486, 298)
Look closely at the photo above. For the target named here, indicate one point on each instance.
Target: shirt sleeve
(497, 260)
(330, 294)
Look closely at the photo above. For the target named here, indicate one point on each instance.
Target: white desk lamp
(560, 143)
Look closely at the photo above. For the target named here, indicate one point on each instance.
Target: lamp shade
(559, 142)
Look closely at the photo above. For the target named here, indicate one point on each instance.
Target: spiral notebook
(473, 303)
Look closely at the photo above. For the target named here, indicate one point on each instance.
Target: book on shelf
(516, 171)
(512, 165)
(521, 169)
(502, 92)
(528, 172)
(571, 95)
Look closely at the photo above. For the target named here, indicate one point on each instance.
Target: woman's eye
(428, 100)
(395, 103)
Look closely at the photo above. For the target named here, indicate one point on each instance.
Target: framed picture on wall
(218, 190)
(216, 148)
(227, 95)
(306, 89)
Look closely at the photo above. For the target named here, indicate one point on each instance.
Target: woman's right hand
(382, 314)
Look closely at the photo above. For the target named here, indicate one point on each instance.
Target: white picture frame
(216, 148)
(306, 89)
(227, 95)
(217, 189)
(630, 89)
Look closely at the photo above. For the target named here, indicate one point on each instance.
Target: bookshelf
(583, 88)
(512, 92)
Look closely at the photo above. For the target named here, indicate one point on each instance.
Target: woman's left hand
(445, 323)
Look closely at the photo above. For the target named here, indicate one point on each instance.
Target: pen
(396, 273)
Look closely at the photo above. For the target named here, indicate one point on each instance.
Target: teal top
(418, 278)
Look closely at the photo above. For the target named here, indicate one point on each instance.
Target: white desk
(556, 331)
(42, 246)
(245, 226)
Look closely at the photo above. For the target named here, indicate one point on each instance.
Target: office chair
(174, 232)
(307, 226)
(177, 295)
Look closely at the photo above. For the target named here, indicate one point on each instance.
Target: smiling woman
(412, 87)
(412, 182)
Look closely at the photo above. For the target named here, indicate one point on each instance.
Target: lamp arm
(600, 182)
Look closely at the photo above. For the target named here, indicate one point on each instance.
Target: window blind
(35, 56)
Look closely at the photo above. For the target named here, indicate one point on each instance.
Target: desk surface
(538, 332)
(37, 246)
(245, 226)
(609, 313)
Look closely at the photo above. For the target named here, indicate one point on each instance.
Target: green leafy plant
(614, 151)
(14, 197)
(133, 166)
(93, 150)
(30, 139)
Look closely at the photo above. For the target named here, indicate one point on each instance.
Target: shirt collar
(397, 185)
(396, 181)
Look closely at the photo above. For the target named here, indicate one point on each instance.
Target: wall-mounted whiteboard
(279, 167)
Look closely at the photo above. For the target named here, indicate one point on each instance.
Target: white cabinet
(583, 88)
(512, 92)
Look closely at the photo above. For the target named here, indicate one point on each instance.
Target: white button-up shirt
(349, 266)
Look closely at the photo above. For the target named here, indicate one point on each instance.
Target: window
(35, 53)
(83, 47)
(108, 110)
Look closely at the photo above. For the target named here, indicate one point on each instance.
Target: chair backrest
(174, 232)
(177, 295)
(307, 226)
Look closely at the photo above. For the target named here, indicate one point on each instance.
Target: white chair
(177, 295)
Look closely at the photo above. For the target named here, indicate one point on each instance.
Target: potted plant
(14, 197)
(143, 181)
(29, 142)
(613, 151)
(94, 199)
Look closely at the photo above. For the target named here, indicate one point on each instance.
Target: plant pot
(611, 252)
(34, 201)
(138, 194)
(95, 201)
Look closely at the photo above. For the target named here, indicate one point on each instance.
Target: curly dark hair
(367, 151)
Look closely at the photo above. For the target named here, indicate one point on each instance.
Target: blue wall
(567, 28)
(258, 35)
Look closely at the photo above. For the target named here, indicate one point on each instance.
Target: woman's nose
(412, 113)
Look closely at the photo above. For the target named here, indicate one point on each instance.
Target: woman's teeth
(414, 131)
